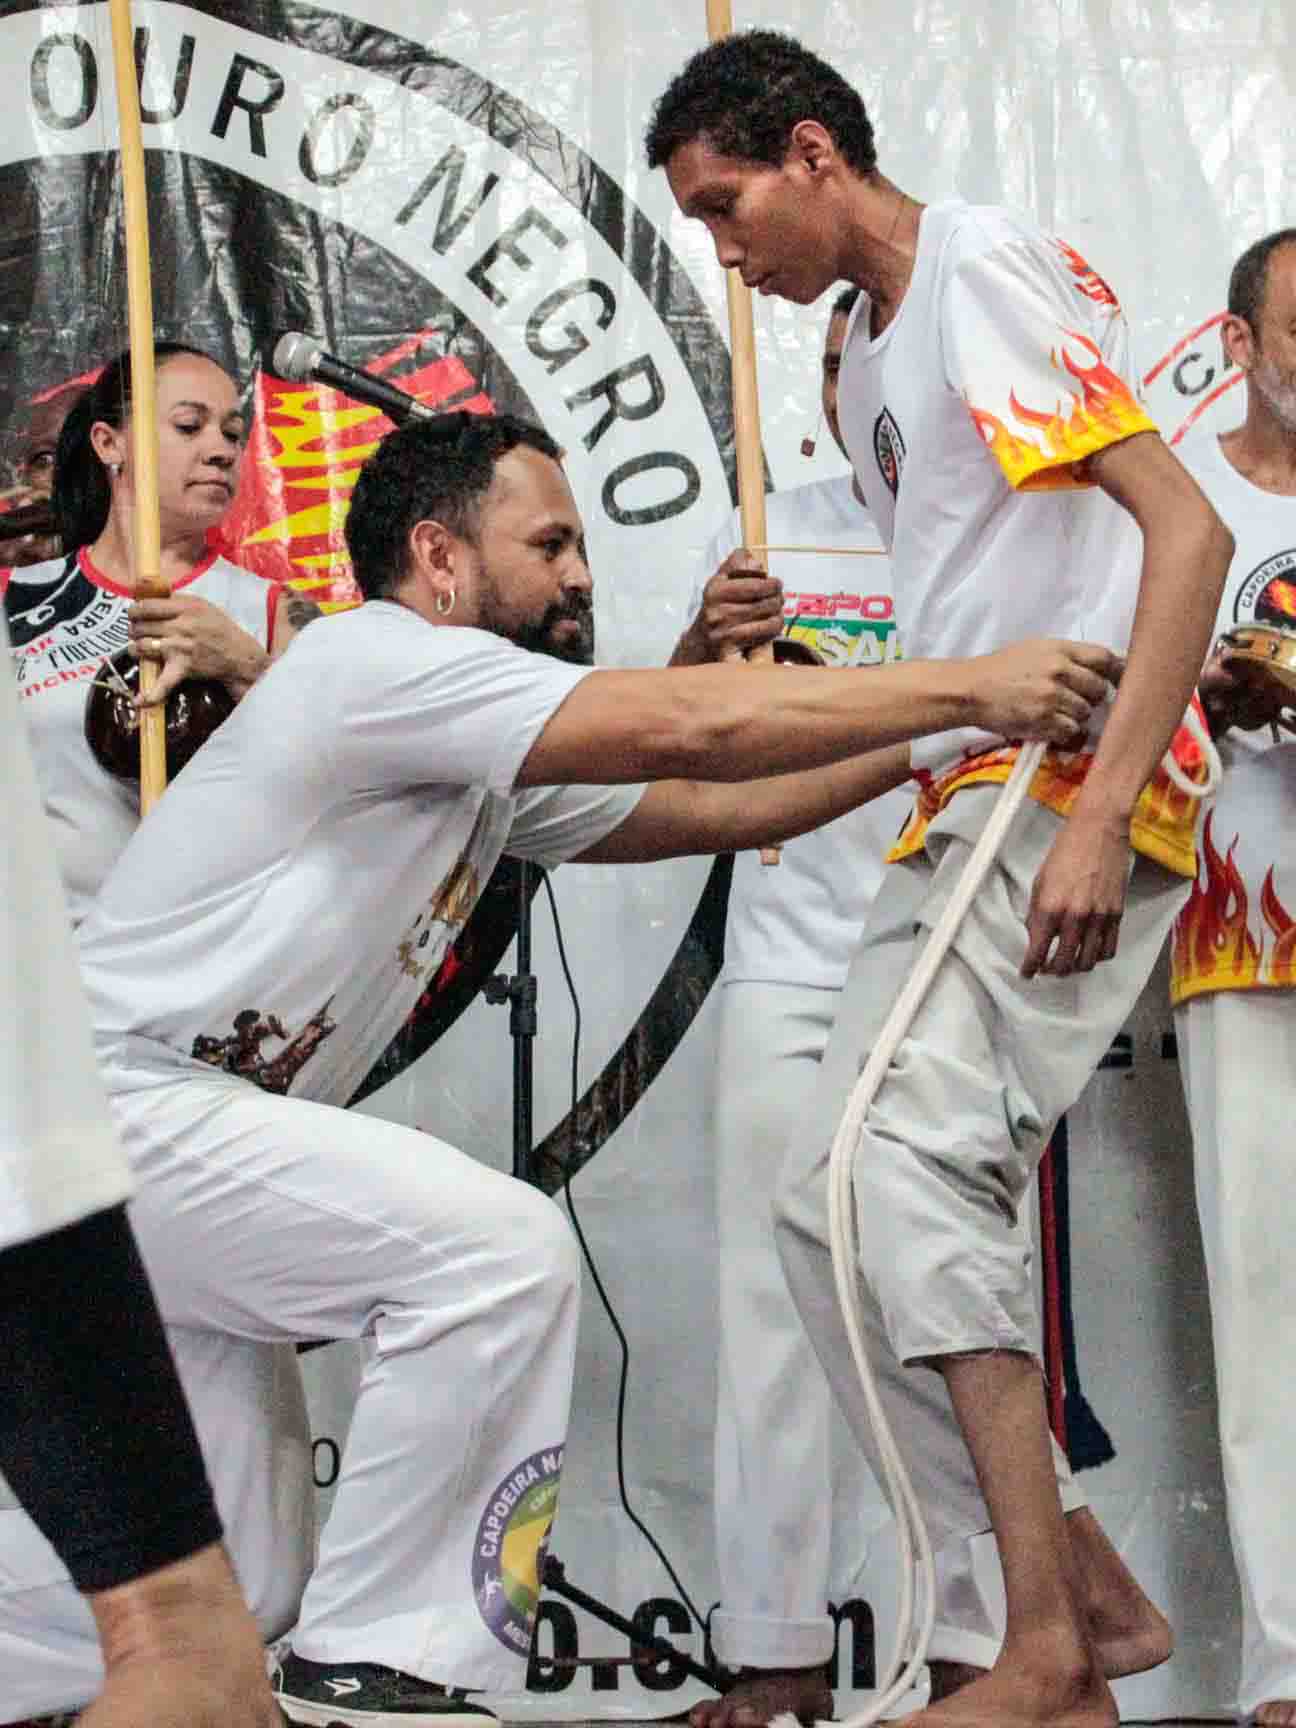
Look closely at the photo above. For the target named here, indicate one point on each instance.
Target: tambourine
(1269, 647)
(194, 709)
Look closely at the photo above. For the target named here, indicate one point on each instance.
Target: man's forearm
(764, 812)
(1183, 577)
(676, 818)
(722, 723)
(96, 1439)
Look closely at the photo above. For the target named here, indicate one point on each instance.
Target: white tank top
(65, 618)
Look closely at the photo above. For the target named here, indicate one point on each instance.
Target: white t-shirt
(1238, 930)
(294, 891)
(59, 1161)
(65, 618)
(1006, 365)
(799, 923)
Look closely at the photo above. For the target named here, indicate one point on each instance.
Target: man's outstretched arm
(733, 723)
(1033, 689)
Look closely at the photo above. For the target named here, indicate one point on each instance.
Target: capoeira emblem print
(509, 1550)
(888, 450)
(1268, 596)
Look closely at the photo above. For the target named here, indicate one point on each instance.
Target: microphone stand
(521, 991)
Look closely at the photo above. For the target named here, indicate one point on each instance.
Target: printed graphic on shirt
(240, 1052)
(1089, 282)
(1268, 596)
(1236, 932)
(444, 916)
(458, 894)
(90, 623)
(1217, 945)
(889, 450)
(843, 629)
(1098, 409)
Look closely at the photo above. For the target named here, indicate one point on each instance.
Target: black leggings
(95, 1435)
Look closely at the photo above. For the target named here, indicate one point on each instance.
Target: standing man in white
(1015, 476)
(1233, 969)
(788, 942)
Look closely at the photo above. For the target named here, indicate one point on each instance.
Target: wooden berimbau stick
(746, 399)
(146, 533)
(826, 551)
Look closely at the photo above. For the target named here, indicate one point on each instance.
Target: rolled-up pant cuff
(751, 1641)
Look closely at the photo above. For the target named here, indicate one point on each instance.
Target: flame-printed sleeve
(1041, 357)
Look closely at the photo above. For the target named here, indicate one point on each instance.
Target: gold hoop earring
(445, 602)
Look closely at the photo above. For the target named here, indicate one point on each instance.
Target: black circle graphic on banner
(236, 262)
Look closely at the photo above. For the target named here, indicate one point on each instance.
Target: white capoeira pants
(777, 1473)
(265, 1220)
(1237, 1055)
(954, 1136)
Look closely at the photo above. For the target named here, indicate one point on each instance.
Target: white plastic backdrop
(1156, 136)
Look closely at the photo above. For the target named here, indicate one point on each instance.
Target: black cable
(622, 1341)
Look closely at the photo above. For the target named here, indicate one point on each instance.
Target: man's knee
(549, 1243)
(947, 1268)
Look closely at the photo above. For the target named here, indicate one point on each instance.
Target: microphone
(300, 358)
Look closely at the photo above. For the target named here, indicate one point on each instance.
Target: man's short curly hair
(438, 470)
(1250, 277)
(746, 92)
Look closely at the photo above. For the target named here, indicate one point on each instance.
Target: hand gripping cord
(917, 1569)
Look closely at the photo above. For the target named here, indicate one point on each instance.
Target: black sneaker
(367, 1695)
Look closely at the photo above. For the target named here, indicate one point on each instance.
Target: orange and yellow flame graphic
(1163, 825)
(1280, 968)
(1103, 411)
(1211, 940)
(1277, 601)
(1089, 282)
(305, 449)
(1214, 945)
(1058, 779)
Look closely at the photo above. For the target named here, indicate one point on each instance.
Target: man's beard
(1277, 391)
(575, 647)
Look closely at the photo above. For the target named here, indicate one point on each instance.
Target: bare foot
(1276, 1713)
(1042, 1682)
(760, 1694)
(1129, 1632)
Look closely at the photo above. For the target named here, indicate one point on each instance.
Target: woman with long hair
(68, 614)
